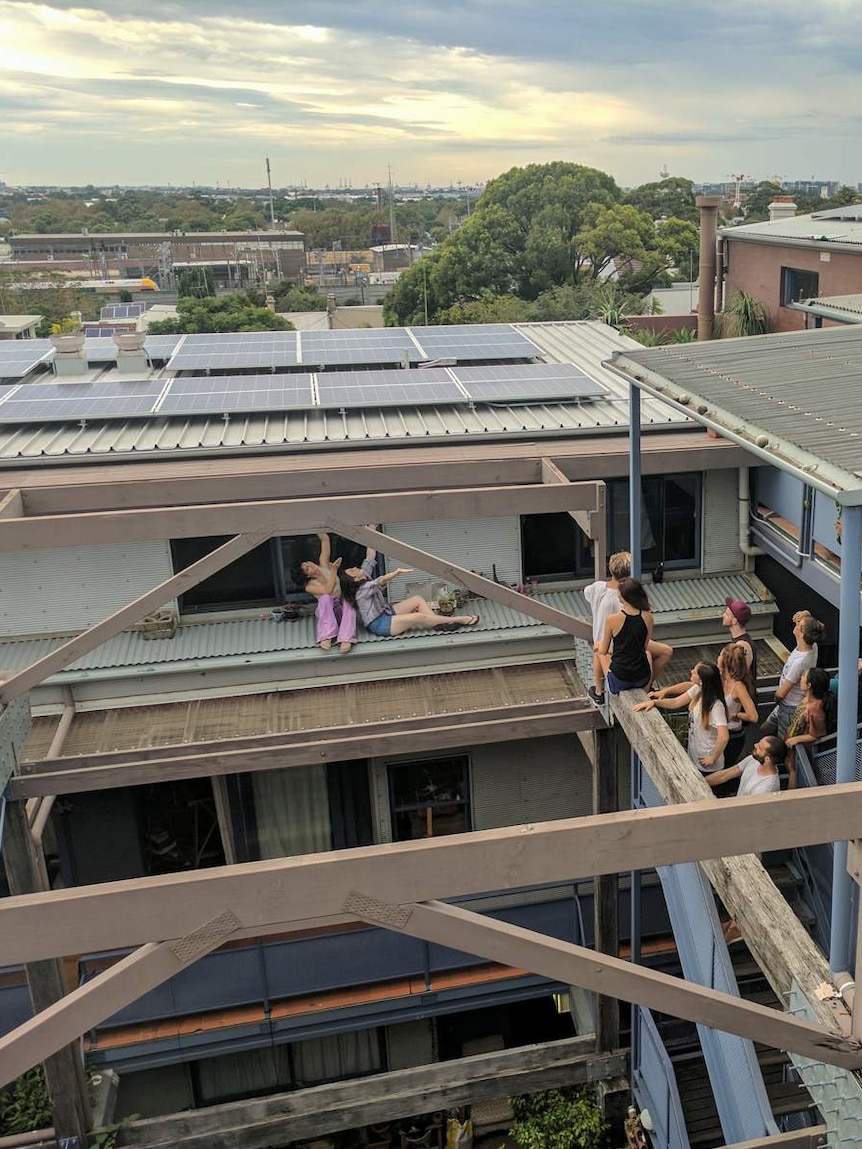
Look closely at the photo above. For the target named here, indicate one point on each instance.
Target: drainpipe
(39, 814)
(708, 205)
(719, 274)
(745, 544)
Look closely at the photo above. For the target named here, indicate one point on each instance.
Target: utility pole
(269, 185)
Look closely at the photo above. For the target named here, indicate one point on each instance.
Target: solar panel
(20, 356)
(237, 351)
(387, 388)
(343, 348)
(122, 310)
(61, 402)
(161, 346)
(220, 394)
(474, 341)
(528, 382)
(100, 350)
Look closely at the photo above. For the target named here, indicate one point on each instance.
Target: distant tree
(292, 297)
(673, 196)
(488, 308)
(757, 201)
(195, 282)
(618, 234)
(679, 242)
(234, 312)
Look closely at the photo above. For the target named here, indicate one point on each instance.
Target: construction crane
(738, 179)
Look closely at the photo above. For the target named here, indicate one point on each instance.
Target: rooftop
(838, 227)
(838, 308)
(791, 399)
(18, 323)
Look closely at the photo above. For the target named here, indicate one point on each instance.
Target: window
(670, 530)
(554, 548)
(797, 284)
(429, 799)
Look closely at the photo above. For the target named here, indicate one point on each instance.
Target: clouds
(162, 91)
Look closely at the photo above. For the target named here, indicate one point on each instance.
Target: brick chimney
(782, 207)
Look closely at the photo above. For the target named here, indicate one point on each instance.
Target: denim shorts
(617, 686)
(382, 625)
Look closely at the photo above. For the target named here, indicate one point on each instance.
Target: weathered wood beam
(311, 889)
(534, 608)
(305, 748)
(282, 516)
(515, 946)
(81, 644)
(307, 1114)
(592, 522)
(11, 505)
(813, 1138)
(777, 939)
(84, 1008)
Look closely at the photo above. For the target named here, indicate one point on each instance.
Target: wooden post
(64, 1070)
(606, 891)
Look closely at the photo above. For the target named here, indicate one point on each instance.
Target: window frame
(583, 564)
(621, 485)
(466, 801)
(787, 291)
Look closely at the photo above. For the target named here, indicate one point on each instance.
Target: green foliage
(44, 293)
(234, 312)
(196, 282)
(650, 338)
(743, 314)
(125, 297)
(665, 198)
(24, 1105)
(557, 1119)
(109, 1136)
(684, 335)
(292, 297)
(679, 242)
(489, 308)
(617, 234)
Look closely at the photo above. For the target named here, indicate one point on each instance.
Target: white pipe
(745, 544)
(40, 1137)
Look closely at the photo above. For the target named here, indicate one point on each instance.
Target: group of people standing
(721, 697)
(347, 596)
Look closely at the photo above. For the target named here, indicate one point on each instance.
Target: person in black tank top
(627, 634)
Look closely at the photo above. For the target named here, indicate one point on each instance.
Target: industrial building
(294, 891)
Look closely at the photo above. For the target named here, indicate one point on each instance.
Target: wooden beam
(63, 1022)
(12, 505)
(308, 1114)
(575, 965)
(592, 522)
(282, 516)
(777, 939)
(81, 644)
(816, 1137)
(550, 616)
(296, 892)
(301, 748)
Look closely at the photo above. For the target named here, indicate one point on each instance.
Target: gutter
(818, 243)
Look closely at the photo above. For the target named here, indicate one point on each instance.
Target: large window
(429, 798)
(263, 577)
(554, 548)
(670, 528)
(797, 284)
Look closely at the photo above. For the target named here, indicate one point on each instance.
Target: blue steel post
(635, 548)
(848, 654)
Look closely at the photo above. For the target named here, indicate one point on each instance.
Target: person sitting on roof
(603, 601)
(366, 593)
(758, 773)
(335, 617)
(625, 643)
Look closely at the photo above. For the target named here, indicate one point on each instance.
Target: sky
(336, 91)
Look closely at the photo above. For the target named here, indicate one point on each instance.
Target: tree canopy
(234, 312)
(673, 196)
(536, 231)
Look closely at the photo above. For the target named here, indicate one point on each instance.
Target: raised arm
(330, 577)
(667, 702)
(325, 551)
(384, 579)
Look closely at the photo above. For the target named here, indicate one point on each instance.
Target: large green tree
(673, 196)
(234, 312)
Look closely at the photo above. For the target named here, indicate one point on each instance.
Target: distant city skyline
(161, 92)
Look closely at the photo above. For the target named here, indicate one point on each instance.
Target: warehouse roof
(791, 399)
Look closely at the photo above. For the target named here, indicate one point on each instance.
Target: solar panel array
(122, 310)
(380, 347)
(19, 356)
(161, 346)
(217, 395)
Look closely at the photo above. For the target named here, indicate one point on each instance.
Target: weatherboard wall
(62, 591)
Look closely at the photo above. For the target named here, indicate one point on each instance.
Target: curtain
(243, 1073)
(292, 811)
(341, 1055)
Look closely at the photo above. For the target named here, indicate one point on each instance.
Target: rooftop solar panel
(100, 350)
(161, 346)
(19, 356)
(222, 395)
(474, 341)
(241, 350)
(528, 382)
(61, 402)
(122, 310)
(351, 389)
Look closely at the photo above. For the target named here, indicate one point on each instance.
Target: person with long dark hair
(414, 613)
(628, 632)
(703, 694)
(814, 717)
(334, 618)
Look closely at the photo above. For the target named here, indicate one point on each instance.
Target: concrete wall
(756, 268)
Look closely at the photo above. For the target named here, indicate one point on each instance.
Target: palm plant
(743, 314)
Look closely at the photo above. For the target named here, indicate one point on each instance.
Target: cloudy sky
(139, 92)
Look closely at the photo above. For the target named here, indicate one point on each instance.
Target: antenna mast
(392, 236)
(271, 204)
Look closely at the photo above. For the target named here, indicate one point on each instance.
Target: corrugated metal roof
(586, 344)
(814, 228)
(256, 639)
(791, 399)
(842, 308)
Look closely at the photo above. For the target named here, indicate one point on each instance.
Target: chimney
(782, 207)
(708, 206)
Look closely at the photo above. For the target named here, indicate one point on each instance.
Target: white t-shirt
(603, 602)
(702, 740)
(750, 782)
(798, 662)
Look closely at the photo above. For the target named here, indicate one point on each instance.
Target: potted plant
(447, 601)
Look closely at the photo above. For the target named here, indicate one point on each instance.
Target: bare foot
(325, 643)
(460, 620)
(346, 647)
